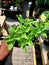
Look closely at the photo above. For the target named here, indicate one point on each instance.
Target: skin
(4, 50)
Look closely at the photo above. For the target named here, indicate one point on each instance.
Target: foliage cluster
(44, 2)
(25, 33)
(46, 14)
(18, 3)
(4, 4)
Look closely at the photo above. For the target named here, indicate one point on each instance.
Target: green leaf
(30, 43)
(24, 49)
(10, 46)
(44, 34)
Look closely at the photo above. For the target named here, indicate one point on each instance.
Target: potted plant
(45, 16)
(21, 36)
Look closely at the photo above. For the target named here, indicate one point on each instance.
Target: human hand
(4, 50)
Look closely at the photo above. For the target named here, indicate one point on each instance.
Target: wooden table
(2, 11)
(44, 52)
(2, 20)
(3, 25)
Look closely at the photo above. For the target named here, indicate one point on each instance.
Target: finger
(0, 46)
(4, 43)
